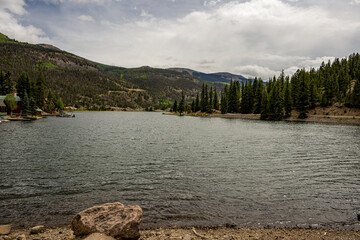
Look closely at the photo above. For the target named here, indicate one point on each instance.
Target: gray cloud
(254, 38)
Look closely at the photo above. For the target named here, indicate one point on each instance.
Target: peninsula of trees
(333, 82)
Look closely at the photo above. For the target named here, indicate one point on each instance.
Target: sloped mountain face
(86, 84)
(218, 79)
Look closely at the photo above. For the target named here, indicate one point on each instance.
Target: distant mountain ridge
(215, 78)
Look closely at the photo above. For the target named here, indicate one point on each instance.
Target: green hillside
(86, 84)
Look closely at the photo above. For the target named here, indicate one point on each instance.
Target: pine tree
(303, 103)
(224, 102)
(33, 107)
(258, 97)
(39, 92)
(264, 105)
(197, 103)
(23, 85)
(216, 100)
(211, 101)
(25, 107)
(175, 106)
(355, 96)
(287, 99)
(182, 104)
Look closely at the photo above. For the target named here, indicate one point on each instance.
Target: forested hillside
(85, 84)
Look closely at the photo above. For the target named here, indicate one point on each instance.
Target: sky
(248, 37)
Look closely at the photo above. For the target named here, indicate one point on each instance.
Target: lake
(183, 171)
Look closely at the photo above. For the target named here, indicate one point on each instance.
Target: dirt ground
(65, 233)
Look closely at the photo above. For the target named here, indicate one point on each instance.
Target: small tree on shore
(60, 104)
(10, 102)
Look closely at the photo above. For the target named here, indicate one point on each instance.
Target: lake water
(181, 170)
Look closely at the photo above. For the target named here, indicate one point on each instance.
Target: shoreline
(65, 232)
(312, 117)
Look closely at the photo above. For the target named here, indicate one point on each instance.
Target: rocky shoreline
(65, 233)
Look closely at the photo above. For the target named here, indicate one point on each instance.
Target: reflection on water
(181, 170)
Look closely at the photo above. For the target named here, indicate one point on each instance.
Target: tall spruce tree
(264, 105)
(216, 100)
(25, 106)
(303, 102)
(39, 91)
(175, 106)
(197, 103)
(355, 96)
(287, 98)
(182, 104)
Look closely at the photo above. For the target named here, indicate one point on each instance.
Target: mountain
(90, 85)
(215, 78)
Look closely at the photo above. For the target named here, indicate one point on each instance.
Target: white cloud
(10, 26)
(85, 18)
(355, 2)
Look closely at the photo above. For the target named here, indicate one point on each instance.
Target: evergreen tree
(203, 102)
(197, 103)
(264, 105)
(33, 107)
(175, 106)
(288, 99)
(258, 97)
(182, 104)
(25, 107)
(224, 103)
(233, 97)
(39, 91)
(355, 96)
(216, 100)
(193, 108)
(6, 83)
(211, 101)
(23, 85)
(303, 100)
(275, 104)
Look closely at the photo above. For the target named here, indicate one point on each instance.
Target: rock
(187, 237)
(5, 229)
(21, 237)
(37, 229)
(98, 236)
(358, 216)
(113, 219)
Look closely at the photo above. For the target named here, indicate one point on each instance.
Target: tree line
(333, 82)
(33, 93)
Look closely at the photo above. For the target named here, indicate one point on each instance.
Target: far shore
(333, 115)
(60, 233)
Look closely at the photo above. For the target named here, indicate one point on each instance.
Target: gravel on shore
(65, 233)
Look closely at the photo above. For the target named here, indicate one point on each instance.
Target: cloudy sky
(249, 37)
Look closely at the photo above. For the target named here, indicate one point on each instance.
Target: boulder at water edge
(113, 219)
